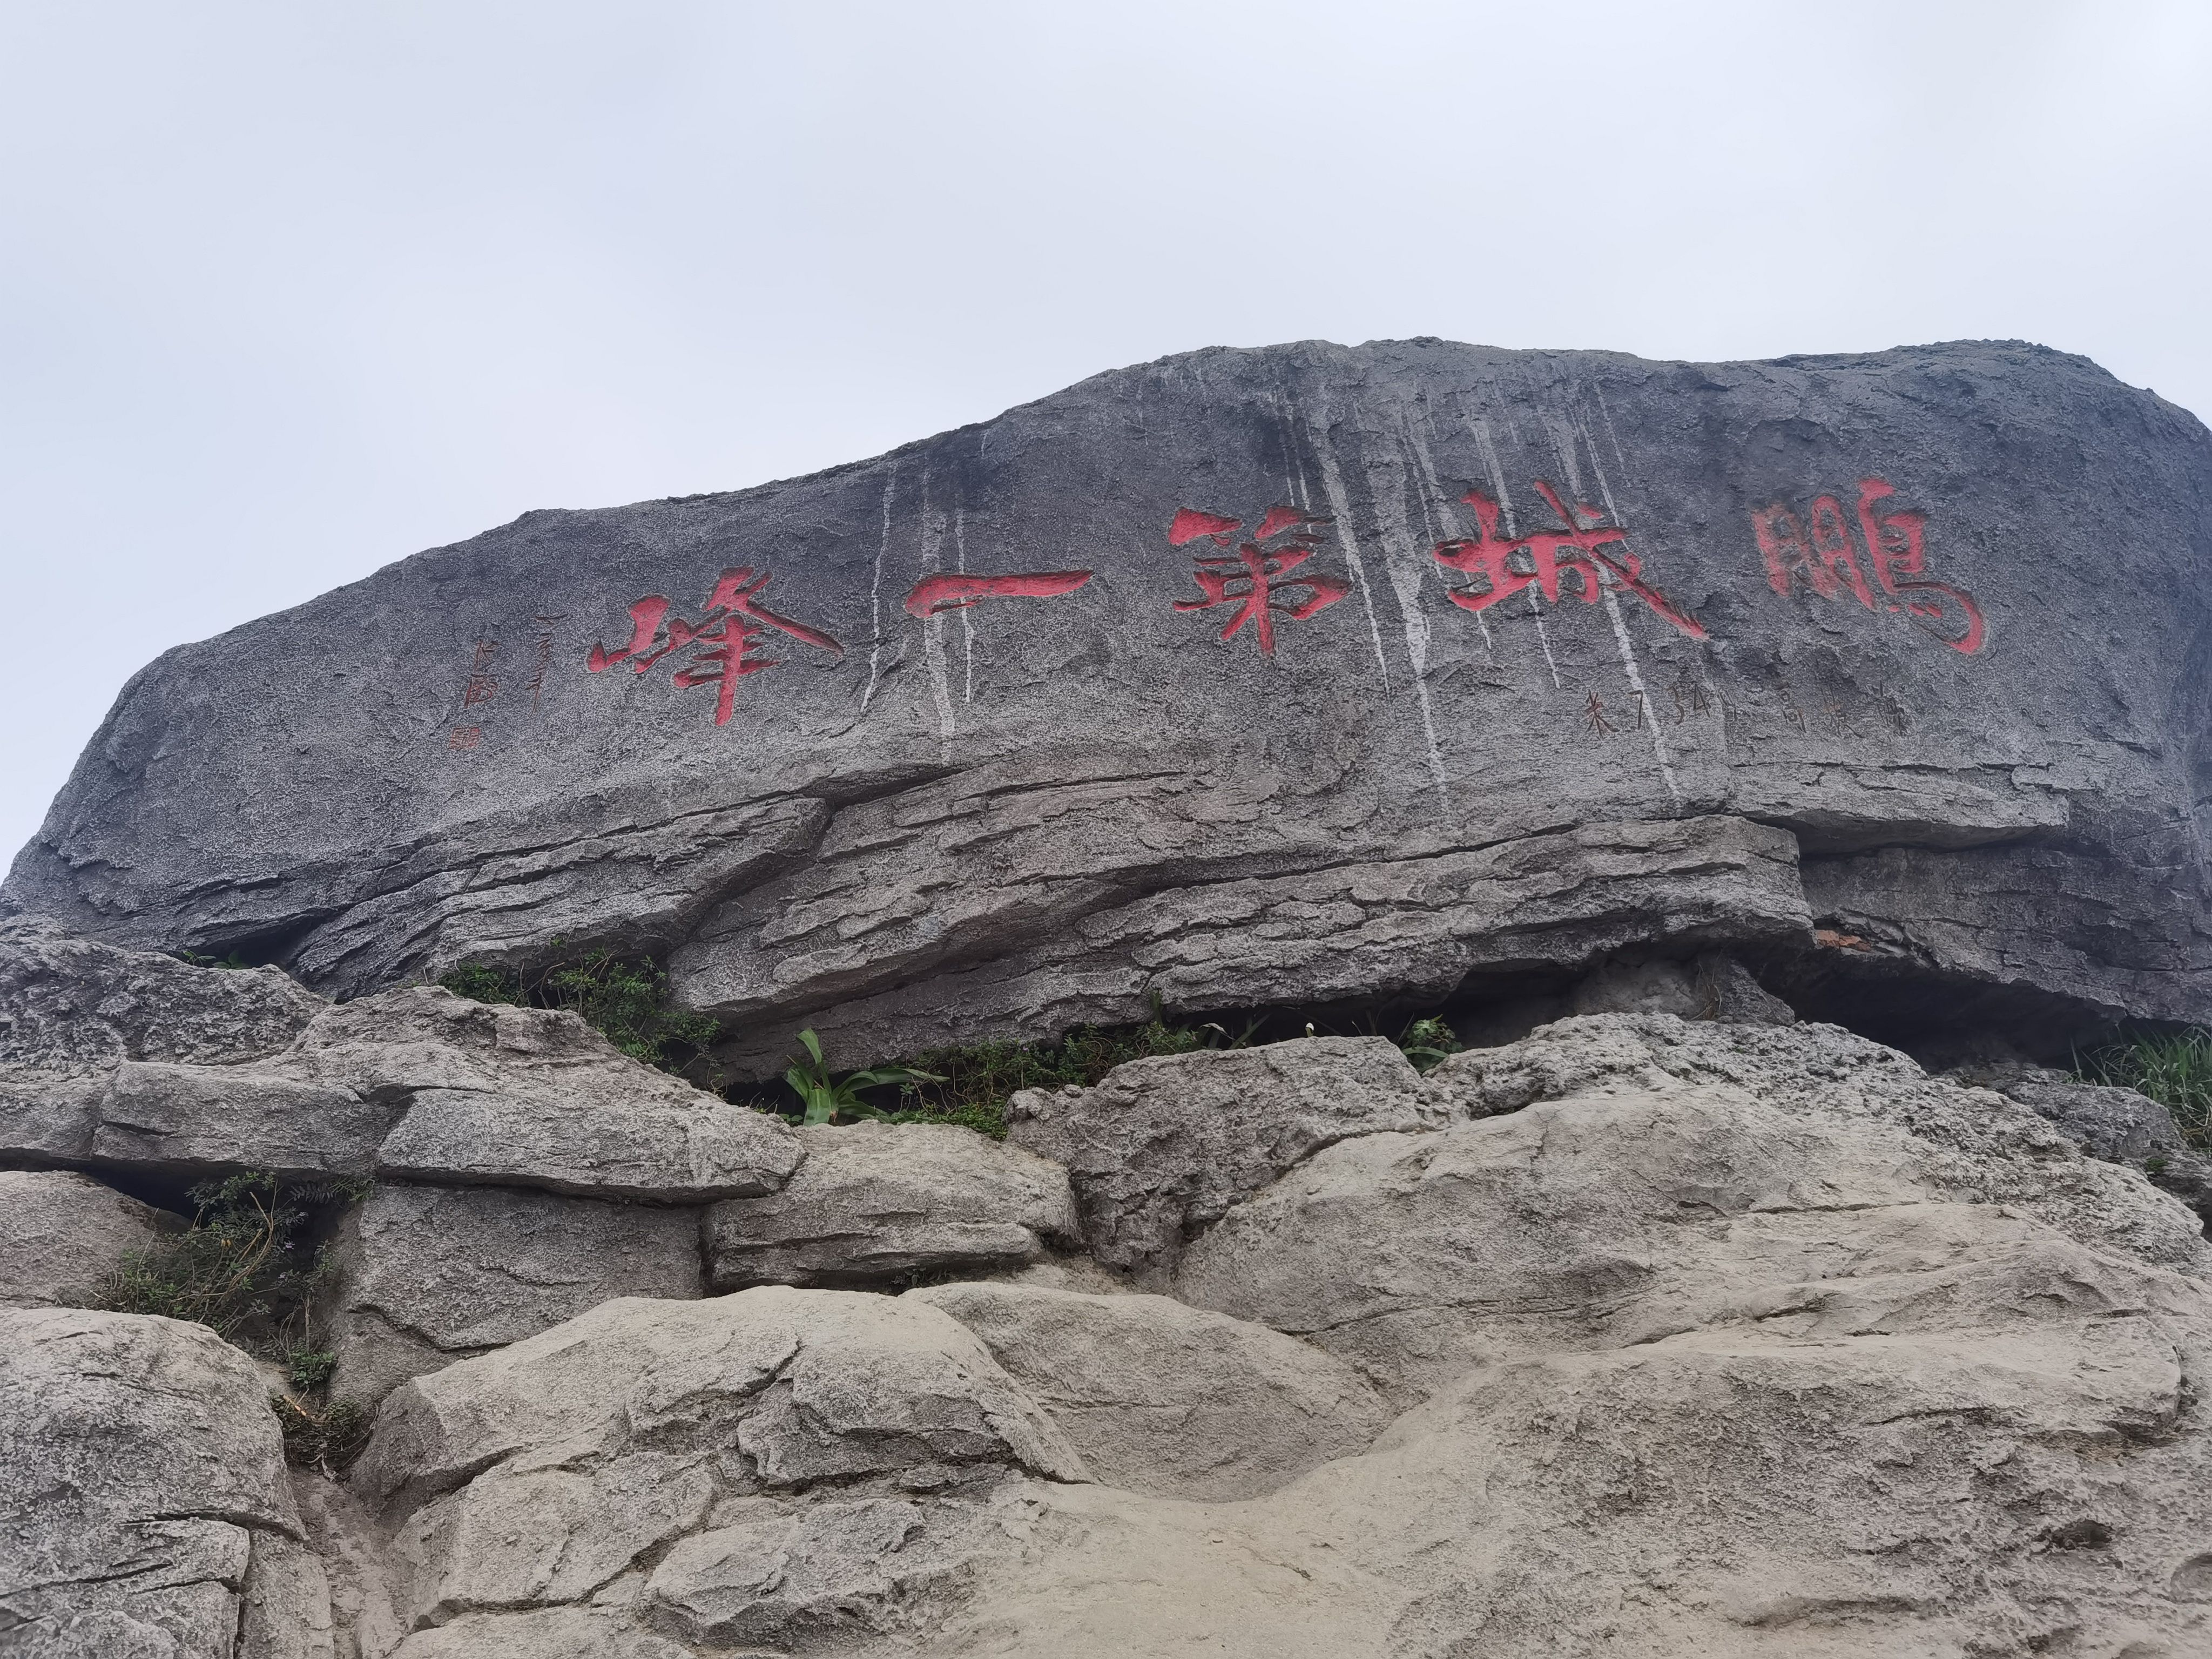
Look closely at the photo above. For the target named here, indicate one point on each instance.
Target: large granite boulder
(1646, 1176)
(1158, 1397)
(730, 1470)
(1161, 1148)
(144, 1509)
(1250, 679)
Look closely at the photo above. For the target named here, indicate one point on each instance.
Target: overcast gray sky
(290, 290)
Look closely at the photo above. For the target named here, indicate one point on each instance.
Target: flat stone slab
(878, 1202)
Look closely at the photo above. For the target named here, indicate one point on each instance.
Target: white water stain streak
(967, 611)
(1339, 506)
(1565, 432)
(1437, 514)
(876, 594)
(932, 627)
(1403, 561)
(1488, 447)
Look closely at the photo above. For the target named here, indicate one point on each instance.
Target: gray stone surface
(195, 1120)
(2106, 1122)
(72, 1010)
(1647, 1175)
(1158, 1397)
(1161, 1148)
(1741, 1340)
(1007, 818)
(557, 1470)
(61, 1233)
(877, 1202)
(427, 1275)
(144, 1512)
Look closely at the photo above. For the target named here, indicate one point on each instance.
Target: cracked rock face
(1163, 1148)
(429, 1274)
(144, 1509)
(1552, 655)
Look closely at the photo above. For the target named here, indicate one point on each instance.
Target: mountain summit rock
(1284, 679)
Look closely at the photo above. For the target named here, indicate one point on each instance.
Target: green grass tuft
(624, 1000)
(2175, 1070)
(973, 1084)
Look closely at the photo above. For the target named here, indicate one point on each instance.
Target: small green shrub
(625, 1000)
(2174, 1069)
(193, 958)
(326, 1436)
(309, 1370)
(243, 1269)
(1428, 1043)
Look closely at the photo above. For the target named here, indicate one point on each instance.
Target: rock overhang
(992, 736)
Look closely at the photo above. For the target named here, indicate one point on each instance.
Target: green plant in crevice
(973, 1083)
(824, 1099)
(1428, 1043)
(244, 1269)
(321, 1435)
(624, 998)
(2174, 1069)
(248, 1268)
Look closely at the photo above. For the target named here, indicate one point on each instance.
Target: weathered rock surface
(144, 1511)
(431, 1275)
(1559, 654)
(416, 1083)
(1163, 1148)
(1158, 1397)
(61, 1233)
(73, 1010)
(1651, 1176)
(2117, 1124)
(877, 1202)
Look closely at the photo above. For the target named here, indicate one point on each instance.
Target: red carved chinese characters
(934, 596)
(1894, 546)
(1253, 577)
(1506, 567)
(733, 623)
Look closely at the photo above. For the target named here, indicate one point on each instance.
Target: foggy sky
(289, 291)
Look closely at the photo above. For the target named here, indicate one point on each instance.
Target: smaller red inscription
(482, 687)
(934, 596)
(734, 621)
(465, 737)
(1506, 566)
(1255, 577)
(1894, 543)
